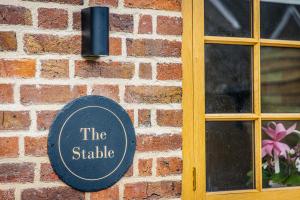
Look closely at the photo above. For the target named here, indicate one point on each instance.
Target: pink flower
(276, 133)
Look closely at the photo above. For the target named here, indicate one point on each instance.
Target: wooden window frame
(194, 117)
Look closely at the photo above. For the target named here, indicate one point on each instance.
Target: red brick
(76, 20)
(129, 172)
(52, 69)
(150, 47)
(110, 3)
(145, 167)
(44, 43)
(57, 193)
(111, 193)
(45, 119)
(169, 25)
(145, 71)
(165, 142)
(131, 114)
(89, 68)
(169, 118)
(16, 172)
(145, 24)
(152, 94)
(24, 68)
(121, 23)
(15, 15)
(115, 46)
(7, 194)
(47, 173)
(169, 166)
(76, 2)
(14, 120)
(152, 190)
(9, 147)
(169, 71)
(35, 146)
(110, 91)
(144, 117)
(52, 18)
(45, 94)
(6, 93)
(8, 41)
(174, 5)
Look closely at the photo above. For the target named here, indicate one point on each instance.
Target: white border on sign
(92, 179)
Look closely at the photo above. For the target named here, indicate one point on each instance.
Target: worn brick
(152, 94)
(174, 5)
(52, 18)
(111, 193)
(14, 120)
(88, 68)
(15, 15)
(145, 24)
(152, 190)
(76, 2)
(22, 68)
(35, 146)
(110, 91)
(121, 23)
(110, 3)
(16, 172)
(7, 194)
(145, 167)
(169, 71)
(57, 193)
(115, 46)
(52, 69)
(45, 94)
(44, 43)
(131, 114)
(144, 118)
(6, 93)
(169, 118)
(169, 25)
(145, 71)
(8, 41)
(45, 119)
(165, 142)
(9, 147)
(151, 47)
(76, 20)
(168, 166)
(47, 173)
(129, 172)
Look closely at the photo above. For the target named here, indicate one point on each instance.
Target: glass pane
(280, 80)
(228, 18)
(228, 74)
(229, 156)
(280, 20)
(281, 154)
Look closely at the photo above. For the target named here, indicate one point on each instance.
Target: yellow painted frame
(194, 117)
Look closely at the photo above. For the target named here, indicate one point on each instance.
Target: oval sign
(91, 143)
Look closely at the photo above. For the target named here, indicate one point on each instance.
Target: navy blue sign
(91, 143)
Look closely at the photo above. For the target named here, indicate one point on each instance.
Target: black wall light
(95, 31)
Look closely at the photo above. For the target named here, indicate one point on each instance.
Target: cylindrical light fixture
(95, 31)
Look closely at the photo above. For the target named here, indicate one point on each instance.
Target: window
(241, 99)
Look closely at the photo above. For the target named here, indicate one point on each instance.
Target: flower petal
(270, 132)
(281, 148)
(267, 150)
(291, 129)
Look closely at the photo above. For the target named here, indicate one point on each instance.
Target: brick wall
(41, 69)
